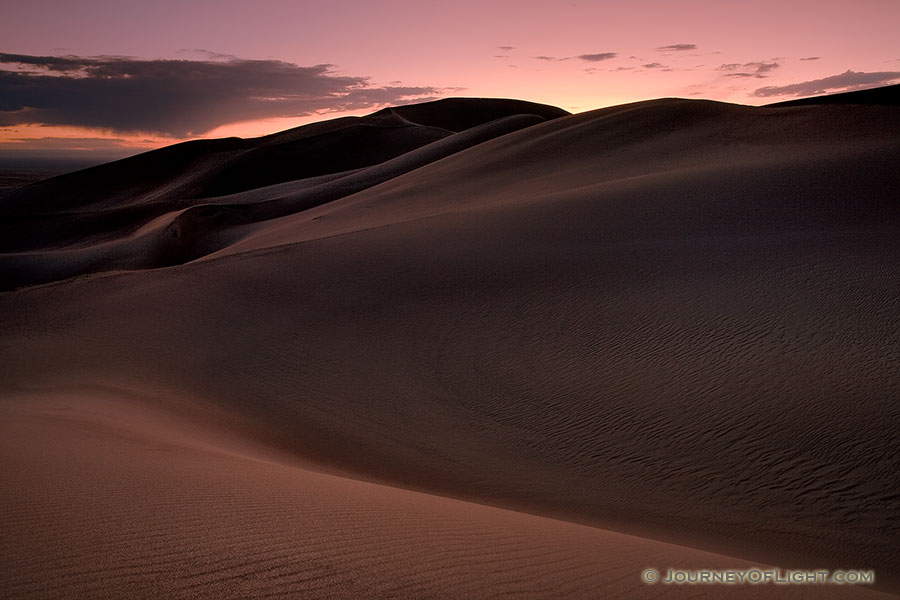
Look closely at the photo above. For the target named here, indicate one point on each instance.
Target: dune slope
(673, 319)
(122, 498)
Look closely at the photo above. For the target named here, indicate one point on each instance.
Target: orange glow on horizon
(63, 137)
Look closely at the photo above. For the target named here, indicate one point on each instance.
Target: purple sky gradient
(576, 55)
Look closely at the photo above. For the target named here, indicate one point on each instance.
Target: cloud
(659, 67)
(178, 97)
(811, 58)
(845, 82)
(598, 57)
(208, 54)
(550, 58)
(751, 69)
(506, 48)
(677, 48)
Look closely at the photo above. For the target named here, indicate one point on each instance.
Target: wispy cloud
(677, 47)
(811, 58)
(551, 58)
(178, 97)
(599, 56)
(208, 54)
(844, 82)
(746, 70)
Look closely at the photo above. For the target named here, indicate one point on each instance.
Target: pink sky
(731, 49)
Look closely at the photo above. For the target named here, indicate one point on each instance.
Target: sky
(103, 79)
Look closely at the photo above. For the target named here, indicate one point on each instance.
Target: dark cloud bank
(177, 97)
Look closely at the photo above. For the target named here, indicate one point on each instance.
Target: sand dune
(883, 96)
(116, 198)
(533, 356)
(123, 498)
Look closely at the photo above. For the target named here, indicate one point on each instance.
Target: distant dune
(469, 348)
(14, 178)
(883, 96)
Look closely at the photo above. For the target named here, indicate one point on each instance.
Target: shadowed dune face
(109, 201)
(675, 319)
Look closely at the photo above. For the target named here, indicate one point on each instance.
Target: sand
(531, 357)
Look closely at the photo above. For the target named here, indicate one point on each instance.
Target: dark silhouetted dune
(458, 114)
(529, 358)
(885, 96)
(114, 198)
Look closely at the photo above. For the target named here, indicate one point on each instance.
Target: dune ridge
(672, 319)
